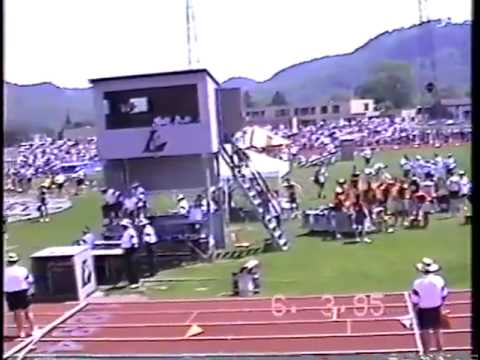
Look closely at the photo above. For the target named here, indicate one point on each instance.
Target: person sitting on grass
(428, 296)
(18, 286)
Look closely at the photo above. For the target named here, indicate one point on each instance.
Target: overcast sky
(68, 42)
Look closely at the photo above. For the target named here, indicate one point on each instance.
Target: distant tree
(340, 96)
(15, 136)
(389, 81)
(247, 100)
(278, 99)
(61, 134)
(68, 121)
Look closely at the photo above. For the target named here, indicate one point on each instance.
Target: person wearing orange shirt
(399, 203)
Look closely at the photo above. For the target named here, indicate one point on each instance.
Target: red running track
(306, 325)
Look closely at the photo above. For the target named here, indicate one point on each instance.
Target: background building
(311, 113)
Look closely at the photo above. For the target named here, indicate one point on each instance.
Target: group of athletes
(376, 199)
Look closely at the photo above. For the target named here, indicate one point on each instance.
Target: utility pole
(423, 11)
(193, 59)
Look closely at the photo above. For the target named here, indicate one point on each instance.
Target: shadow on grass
(324, 235)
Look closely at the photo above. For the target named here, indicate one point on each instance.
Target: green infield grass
(312, 266)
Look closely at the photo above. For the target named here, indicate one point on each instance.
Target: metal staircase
(257, 191)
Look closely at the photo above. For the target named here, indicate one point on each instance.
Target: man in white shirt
(88, 238)
(182, 205)
(465, 189)
(59, 181)
(149, 238)
(454, 188)
(129, 243)
(108, 207)
(428, 295)
(130, 207)
(245, 283)
(17, 285)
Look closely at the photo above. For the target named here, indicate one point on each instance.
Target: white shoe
(134, 286)
(357, 239)
(367, 241)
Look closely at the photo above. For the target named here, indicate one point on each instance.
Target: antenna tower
(193, 59)
(423, 11)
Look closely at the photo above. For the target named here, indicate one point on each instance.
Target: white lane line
(416, 332)
(192, 317)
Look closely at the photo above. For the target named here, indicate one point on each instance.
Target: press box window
(173, 105)
(336, 109)
(135, 106)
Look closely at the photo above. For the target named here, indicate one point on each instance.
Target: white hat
(12, 257)
(143, 222)
(428, 266)
(180, 197)
(126, 222)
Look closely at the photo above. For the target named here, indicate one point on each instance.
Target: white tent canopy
(257, 137)
(268, 166)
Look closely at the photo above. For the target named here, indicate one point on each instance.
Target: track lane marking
(416, 332)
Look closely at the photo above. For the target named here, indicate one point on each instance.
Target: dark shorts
(18, 300)
(429, 318)
(80, 182)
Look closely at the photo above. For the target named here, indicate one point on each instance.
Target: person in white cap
(88, 238)
(428, 295)
(149, 238)
(182, 205)
(17, 287)
(129, 243)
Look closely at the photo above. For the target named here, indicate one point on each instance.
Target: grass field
(312, 265)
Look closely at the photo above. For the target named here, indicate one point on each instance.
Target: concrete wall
(357, 106)
(162, 173)
(230, 111)
(130, 143)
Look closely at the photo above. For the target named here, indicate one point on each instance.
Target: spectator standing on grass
(454, 188)
(149, 238)
(428, 295)
(60, 180)
(129, 243)
(291, 190)
(18, 285)
(465, 186)
(43, 204)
